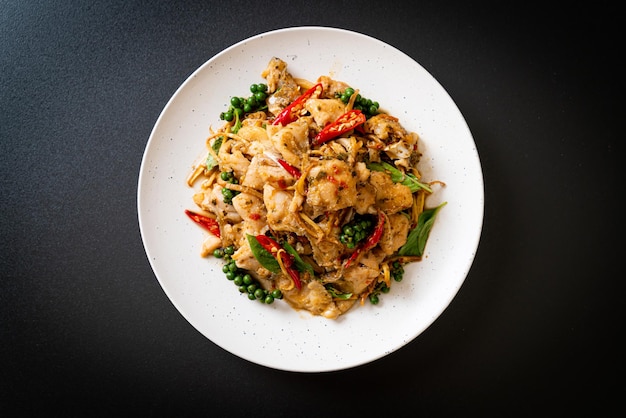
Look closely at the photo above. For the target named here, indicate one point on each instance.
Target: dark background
(85, 328)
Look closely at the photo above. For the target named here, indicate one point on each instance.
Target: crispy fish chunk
(325, 111)
(332, 185)
(331, 86)
(390, 197)
(395, 232)
(314, 298)
(359, 276)
(386, 128)
(292, 141)
(281, 85)
(252, 211)
(279, 217)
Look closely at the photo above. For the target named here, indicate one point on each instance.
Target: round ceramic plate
(275, 335)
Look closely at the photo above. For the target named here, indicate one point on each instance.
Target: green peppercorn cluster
(397, 272)
(367, 106)
(356, 230)
(239, 106)
(380, 288)
(229, 177)
(243, 280)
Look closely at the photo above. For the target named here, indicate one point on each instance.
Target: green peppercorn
(374, 299)
(235, 102)
(228, 195)
(247, 279)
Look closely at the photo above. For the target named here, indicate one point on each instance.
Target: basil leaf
(398, 176)
(264, 257)
(210, 159)
(416, 241)
(336, 293)
(300, 264)
(414, 184)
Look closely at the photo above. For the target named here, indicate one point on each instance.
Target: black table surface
(86, 329)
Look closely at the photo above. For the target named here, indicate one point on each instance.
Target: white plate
(275, 335)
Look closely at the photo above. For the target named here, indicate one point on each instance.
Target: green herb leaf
(336, 293)
(216, 145)
(264, 257)
(416, 241)
(398, 176)
(300, 264)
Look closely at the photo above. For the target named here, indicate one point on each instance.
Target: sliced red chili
(344, 123)
(209, 224)
(277, 251)
(289, 168)
(370, 242)
(291, 112)
(269, 244)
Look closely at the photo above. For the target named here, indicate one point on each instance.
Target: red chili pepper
(290, 169)
(276, 250)
(291, 112)
(371, 241)
(344, 123)
(208, 223)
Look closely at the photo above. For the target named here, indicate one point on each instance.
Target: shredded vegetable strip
(244, 189)
(386, 274)
(418, 205)
(210, 180)
(319, 232)
(197, 172)
(283, 268)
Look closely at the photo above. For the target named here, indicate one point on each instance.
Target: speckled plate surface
(275, 335)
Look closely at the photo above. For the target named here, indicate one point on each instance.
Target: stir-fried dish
(311, 193)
